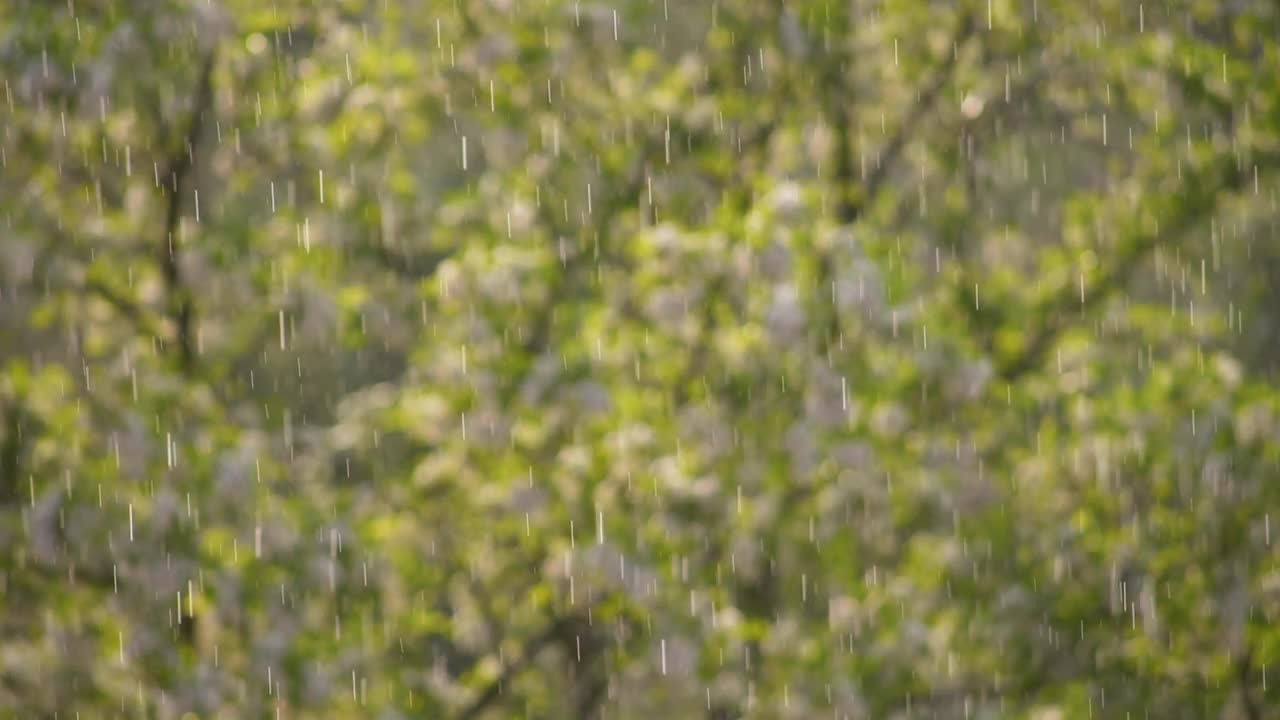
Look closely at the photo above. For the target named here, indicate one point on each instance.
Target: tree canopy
(550, 359)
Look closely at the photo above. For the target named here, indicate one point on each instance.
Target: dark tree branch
(177, 178)
(130, 309)
(1251, 709)
(539, 339)
(856, 197)
(408, 266)
(124, 306)
(11, 451)
(1196, 203)
(853, 197)
(513, 668)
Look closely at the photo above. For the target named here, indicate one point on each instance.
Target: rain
(718, 359)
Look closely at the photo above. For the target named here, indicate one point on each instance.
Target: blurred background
(715, 359)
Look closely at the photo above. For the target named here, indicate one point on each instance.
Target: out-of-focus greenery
(725, 358)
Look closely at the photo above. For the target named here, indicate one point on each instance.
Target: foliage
(572, 359)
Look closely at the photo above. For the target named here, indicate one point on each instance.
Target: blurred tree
(884, 358)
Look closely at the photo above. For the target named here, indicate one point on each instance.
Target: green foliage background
(727, 358)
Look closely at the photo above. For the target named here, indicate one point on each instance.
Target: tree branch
(177, 177)
(1195, 204)
(852, 207)
(539, 338)
(124, 306)
(854, 197)
(11, 451)
(1251, 710)
(510, 670)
